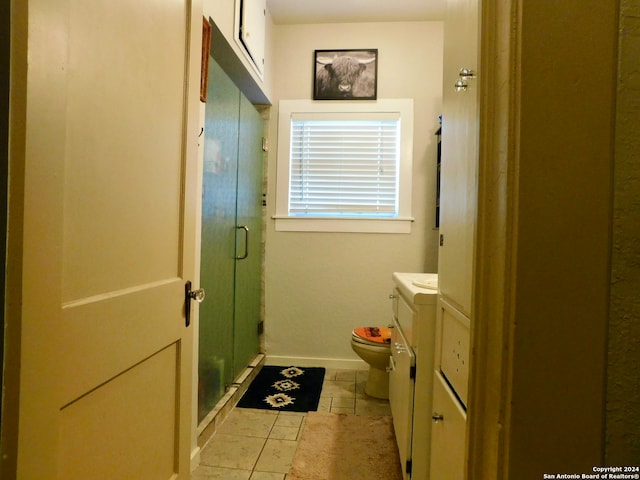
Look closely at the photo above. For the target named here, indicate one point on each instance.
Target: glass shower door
(217, 264)
(231, 250)
(249, 238)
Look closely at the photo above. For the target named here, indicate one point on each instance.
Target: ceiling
(348, 11)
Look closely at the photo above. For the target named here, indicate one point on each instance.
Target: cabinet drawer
(406, 317)
(448, 434)
(454, 353)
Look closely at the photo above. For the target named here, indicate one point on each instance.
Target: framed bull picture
(345, 74)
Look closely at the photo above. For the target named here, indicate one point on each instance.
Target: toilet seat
(373, 346)
(373, 336)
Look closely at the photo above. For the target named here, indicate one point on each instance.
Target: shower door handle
(246, 241)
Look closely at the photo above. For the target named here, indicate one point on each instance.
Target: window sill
(343, 225)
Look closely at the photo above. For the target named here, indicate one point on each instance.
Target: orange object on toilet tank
(374, 334)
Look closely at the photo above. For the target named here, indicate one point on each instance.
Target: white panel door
(110, 151)
(459, 155)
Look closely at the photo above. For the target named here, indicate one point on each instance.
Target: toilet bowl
(373, 345)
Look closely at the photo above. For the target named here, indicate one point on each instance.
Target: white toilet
(373, 345)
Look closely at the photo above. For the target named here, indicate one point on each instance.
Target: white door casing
(110, 142)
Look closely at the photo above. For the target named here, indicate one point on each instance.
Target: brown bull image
(345, 76)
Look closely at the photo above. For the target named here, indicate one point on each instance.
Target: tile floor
(259, 444)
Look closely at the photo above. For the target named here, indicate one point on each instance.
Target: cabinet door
(401, 389)
(459, 155)
(447, 433)
(252, 30)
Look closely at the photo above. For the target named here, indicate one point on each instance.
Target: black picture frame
(345, 74)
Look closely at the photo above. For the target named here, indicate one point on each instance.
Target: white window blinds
(344, 166)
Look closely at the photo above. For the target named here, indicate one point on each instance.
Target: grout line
(253, 468)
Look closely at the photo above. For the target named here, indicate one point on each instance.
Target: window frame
(401, 223)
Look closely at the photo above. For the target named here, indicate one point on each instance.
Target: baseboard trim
(338, 363)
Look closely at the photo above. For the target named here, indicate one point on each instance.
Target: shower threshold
(216, 416)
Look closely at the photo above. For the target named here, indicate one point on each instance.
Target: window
(345, 167)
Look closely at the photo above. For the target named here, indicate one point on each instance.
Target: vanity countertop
(417, 288)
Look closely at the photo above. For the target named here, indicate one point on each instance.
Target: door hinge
(265, 144)
(412, 372)
(260, 327)
(441, 240)
(408, 466)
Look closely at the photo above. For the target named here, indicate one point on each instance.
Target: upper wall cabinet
(250, 30)
(458, 192)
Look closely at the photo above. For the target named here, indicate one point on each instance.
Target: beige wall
(319, 286)
(623, 376)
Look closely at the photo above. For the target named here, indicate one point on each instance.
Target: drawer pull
(437, 417)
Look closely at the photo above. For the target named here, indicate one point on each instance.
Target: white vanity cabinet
(411, 369)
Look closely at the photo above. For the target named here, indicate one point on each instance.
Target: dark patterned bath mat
(288, 389)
